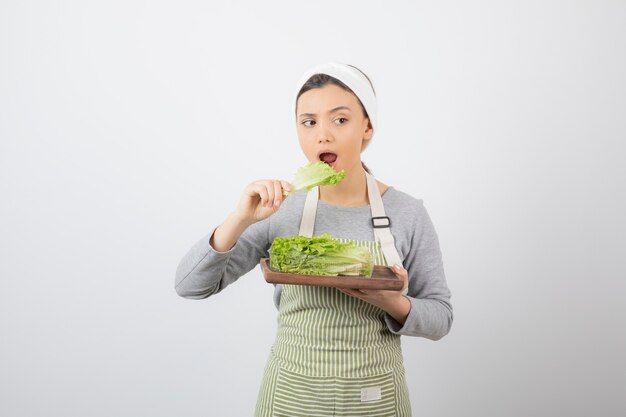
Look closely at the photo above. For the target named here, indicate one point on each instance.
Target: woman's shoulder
(405, 208)
(395, 196)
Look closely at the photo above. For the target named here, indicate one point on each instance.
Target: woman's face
(331, 121)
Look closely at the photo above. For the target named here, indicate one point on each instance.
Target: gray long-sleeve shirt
(203, 271)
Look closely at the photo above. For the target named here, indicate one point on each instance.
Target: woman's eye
(308, 123)
(341, 118)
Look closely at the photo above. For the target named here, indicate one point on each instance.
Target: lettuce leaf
(315, 174)
(319, 255)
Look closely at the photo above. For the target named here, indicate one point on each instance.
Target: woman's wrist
(239, 220)
(398, 307)
(226, 235)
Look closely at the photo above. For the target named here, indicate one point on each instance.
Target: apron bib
(334, 354)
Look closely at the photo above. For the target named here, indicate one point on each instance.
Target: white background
(128, 129)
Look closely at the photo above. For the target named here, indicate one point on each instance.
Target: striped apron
(333, 356)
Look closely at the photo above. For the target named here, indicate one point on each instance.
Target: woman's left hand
(393, 302)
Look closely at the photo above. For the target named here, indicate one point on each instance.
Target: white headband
(351, 77)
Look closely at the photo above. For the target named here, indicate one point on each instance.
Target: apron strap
(381, 223)
(308, 214)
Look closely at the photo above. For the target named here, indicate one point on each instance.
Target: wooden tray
(382, 278)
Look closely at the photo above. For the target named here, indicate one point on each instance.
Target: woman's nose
(322, 134)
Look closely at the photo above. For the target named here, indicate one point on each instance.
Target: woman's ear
(369, 131)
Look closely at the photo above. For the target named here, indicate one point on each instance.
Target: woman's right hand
(261, 199)
(257, 202)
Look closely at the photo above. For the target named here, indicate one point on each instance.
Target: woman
(337, 351)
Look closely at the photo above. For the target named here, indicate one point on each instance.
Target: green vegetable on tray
(315, 174)
(320, 255)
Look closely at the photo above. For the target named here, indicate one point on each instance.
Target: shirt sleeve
(431, 313)
(203, 271)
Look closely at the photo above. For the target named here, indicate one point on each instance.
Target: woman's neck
(350, 192)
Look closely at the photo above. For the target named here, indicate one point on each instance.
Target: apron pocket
(303, 395)
(367, 396)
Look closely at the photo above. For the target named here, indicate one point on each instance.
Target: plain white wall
(130, 128)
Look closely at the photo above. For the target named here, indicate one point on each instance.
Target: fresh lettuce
(314, 174)
(319, 255)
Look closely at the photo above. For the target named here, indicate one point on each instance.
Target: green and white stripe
(329, 346)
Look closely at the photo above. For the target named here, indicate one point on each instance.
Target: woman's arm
(207, 269)
(431, 313)
(234, 247)
(426, 310)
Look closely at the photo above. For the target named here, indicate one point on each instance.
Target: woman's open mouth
(329, 158)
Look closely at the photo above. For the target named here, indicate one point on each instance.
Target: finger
(286, 187)
(399, 271)
(355, 292)
(347, 291)
(269, 186)
(261, 190)
(403, 274)
(278, 193)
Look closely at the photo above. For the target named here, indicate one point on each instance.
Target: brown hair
(322, 80)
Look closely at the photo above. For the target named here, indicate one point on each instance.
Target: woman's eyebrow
(331, 111)
(339, 108)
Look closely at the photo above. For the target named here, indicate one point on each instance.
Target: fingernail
(277, 202)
